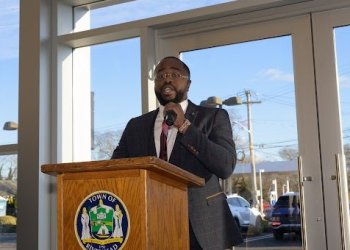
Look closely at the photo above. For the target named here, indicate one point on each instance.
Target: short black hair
(184, 65)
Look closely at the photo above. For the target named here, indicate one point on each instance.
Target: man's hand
(180, 116)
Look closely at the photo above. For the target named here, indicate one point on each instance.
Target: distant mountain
(8, 187)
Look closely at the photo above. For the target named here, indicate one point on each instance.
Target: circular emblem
(102, 222)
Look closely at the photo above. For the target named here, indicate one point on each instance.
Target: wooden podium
(152, 192)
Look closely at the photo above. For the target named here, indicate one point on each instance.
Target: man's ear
(188, 84)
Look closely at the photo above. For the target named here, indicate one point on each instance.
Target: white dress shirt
(172, 129)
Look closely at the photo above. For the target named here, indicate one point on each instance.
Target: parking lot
(8, 241)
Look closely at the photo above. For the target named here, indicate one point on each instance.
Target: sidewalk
(8, 241)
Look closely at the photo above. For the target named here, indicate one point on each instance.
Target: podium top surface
(150, 163)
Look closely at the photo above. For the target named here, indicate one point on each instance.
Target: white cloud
(8, 8)
(9, 43)
(144, 9)
(278, 75)
(344, 81)
(9, 29)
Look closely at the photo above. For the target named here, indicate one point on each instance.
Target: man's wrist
(184, 126)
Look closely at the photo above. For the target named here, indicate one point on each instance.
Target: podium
(133, 203)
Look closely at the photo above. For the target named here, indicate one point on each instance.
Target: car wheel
(241, 229)
(258, 225)
(278, 235)
(298, 235)
(237, 222)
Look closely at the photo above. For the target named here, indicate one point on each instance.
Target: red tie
(163, 142)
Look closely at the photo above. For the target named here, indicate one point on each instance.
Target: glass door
(267, 142)
(332, 36)
(262, 74)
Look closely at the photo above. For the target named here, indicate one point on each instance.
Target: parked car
(285, 216)
(267, 208)
(245, 215)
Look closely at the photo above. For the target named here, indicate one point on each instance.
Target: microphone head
(170, 117)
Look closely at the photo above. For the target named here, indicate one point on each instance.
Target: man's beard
(179, 97)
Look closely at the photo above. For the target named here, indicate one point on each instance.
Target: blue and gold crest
(102, 222)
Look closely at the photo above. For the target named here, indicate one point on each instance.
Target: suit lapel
(151, 145)
(176, 154)
(191, 112)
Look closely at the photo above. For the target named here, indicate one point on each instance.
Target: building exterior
(3, 205)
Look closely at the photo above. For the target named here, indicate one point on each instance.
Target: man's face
(171, 81)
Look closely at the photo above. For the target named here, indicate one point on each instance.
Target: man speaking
(196, 139)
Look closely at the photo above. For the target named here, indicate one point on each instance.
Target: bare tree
(8, 163)
(105, 143)
(288, 153)
(347, 154)
(240, 143)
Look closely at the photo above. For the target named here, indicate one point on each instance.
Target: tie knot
(165, 128)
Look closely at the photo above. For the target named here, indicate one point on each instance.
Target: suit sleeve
(121, 151)
(214, 148)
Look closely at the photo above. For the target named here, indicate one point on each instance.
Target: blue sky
(144, 9)
(265, 67)
(9, 20)
(342, 39)
(222, 71)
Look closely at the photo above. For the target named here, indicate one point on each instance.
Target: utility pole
(251, 147)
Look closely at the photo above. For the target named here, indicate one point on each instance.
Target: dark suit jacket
(207, 150)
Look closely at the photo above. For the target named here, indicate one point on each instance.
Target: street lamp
(284, 188)
(9, 149)
(10, 125)
(214, 101)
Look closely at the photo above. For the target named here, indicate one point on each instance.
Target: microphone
(170, 117)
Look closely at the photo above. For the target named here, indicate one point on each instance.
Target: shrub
(8, 224)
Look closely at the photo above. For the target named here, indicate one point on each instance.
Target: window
(9, 44)
(131, 10)
(116, 88)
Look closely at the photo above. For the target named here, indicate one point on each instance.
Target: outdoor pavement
(8, 241)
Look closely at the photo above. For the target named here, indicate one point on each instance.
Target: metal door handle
(302, 209)
(307, 178)
(340, 198)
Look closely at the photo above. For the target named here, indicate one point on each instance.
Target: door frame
(330, 127)
(218, 32)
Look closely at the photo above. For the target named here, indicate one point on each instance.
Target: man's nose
(168, 79)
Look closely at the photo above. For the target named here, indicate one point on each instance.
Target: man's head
(172, 80)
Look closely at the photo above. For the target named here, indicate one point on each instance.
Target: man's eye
(170, 75)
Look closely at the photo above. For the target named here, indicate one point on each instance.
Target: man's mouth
(167, 89)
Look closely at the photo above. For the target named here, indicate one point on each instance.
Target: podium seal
(102, 222)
